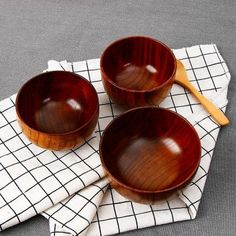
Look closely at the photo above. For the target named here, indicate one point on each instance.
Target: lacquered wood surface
(148, 153)
(137, 71)
(57, 110)
(182, 79)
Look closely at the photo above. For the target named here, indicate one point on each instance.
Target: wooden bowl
(148, 153)
(137, 71)
(57, 110)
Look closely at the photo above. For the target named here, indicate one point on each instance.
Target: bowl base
(137, 77)
(59, 116)
(144, 163)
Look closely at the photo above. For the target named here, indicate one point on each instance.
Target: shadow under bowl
(57, 110)
(149, 153)
(137, 71)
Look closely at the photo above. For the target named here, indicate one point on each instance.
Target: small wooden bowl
(57, 110)
(149, 153)
(137, 71)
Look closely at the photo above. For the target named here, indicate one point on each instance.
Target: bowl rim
(138, 190)
(134, 90)
(94, 114)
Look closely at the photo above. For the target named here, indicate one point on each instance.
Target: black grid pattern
(33, 179)
(81, 207)
(208, 72)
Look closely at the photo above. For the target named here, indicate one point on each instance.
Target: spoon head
(181, 76)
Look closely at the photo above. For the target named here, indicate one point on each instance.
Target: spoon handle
(216, 113)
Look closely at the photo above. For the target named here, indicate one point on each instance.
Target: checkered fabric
(98, 209)
(34, 179)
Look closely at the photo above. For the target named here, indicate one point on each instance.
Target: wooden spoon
(181, 78)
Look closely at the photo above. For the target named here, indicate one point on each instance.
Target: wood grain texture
(148, 153)
(137, 71)
(57, 110)
(182, 79)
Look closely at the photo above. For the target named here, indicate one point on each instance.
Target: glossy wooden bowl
(149, 153)
(57, 110)
(137, 71)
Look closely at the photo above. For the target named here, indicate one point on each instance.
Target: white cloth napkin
(35, 179)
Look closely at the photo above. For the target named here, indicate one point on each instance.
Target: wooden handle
(216, 113)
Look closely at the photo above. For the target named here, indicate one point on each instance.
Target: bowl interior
(150, 149)
(138, 63)
(56, 102)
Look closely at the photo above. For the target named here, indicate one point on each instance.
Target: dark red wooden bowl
(149, 153)
(57, 110)
(138, 71)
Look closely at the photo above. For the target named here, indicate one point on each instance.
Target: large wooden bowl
(57, 110)
(138, 71)
(148, 153)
